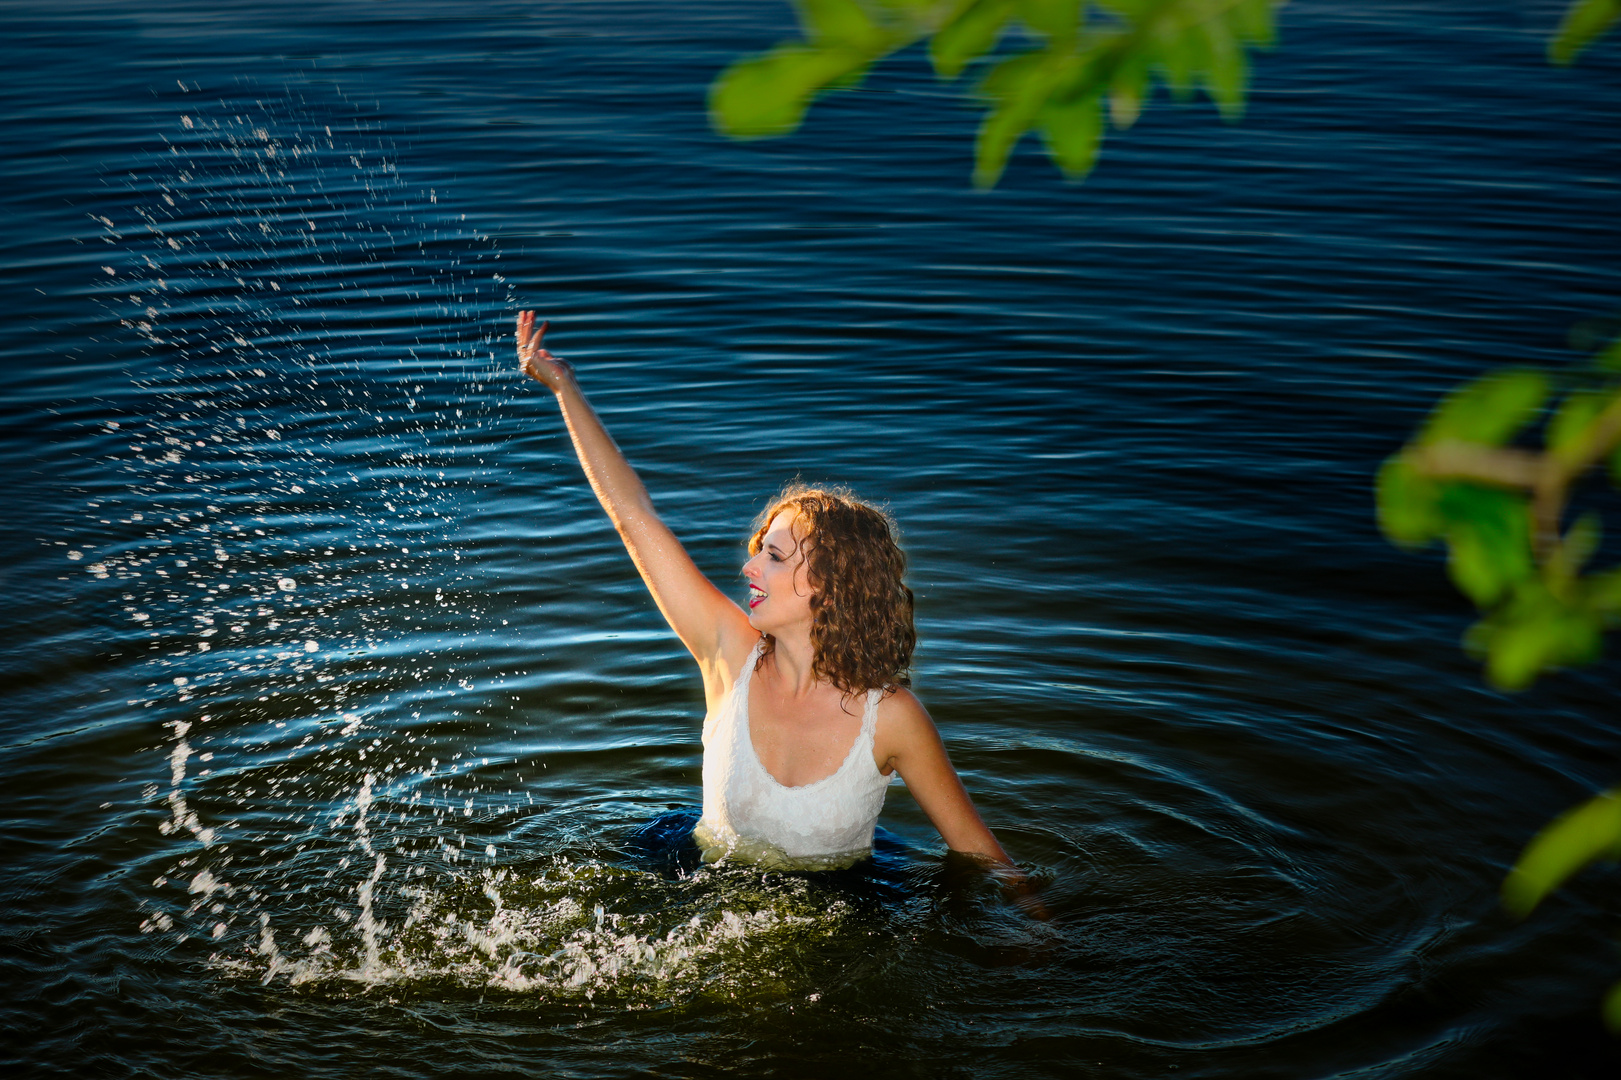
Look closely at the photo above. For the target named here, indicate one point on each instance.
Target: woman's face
(779, 594)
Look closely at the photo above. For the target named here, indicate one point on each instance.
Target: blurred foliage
(1584, 21)
(1473, 478)
(1469, 479)
(1500, 509)
(1590, 832)
(1075, 61)
(1586, 834)
(1080, 58)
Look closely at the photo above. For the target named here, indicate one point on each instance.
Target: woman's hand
(534, 360)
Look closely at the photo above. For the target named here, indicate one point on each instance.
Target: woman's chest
(800, 742)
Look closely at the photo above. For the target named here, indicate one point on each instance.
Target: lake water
(332, 707)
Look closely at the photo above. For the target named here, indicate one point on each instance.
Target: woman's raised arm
(708, 623)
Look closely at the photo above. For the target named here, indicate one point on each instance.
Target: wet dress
(749, 815)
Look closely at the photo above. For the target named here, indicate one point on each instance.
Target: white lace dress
(749, 815)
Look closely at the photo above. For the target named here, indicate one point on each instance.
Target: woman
(808, 712)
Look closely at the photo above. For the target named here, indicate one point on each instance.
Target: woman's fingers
(529, 339)
(526, 320)
(533, 359)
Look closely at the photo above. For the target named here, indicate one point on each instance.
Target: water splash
(368, 925)
(182, 818)
(581, 928)
(311, 409)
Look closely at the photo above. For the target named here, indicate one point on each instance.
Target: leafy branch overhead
(1081, 58)
(1072, 62)
(1500, 510)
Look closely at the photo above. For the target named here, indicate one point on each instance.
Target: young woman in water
(808, 711)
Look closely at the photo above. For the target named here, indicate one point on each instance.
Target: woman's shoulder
(900, 712)
(904, 730)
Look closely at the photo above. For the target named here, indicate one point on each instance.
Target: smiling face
(829, 566)
(779, 594)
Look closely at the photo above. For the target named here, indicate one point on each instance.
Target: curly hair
(861, 610)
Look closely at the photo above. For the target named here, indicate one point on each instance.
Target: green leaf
(840, 22)
(1567, 431)
(969, 36)
(1603, 591)
(1020, 86)
(1612, 1009)
(1609, 358)
(1489, 536)
(1228, 69)
(1056, 19)
(1585, 834)
(1073, 131)
(1580, 542)
(1584, 22)
(767, 95)
(1409, 504)
(1490, 410)
(1252, 20)
(1130, 9)
(1127, 90)
(1184, 56)
(1534, 633)
(1576, 414)
(1516, 655)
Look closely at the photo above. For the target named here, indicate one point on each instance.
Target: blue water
(260, 270)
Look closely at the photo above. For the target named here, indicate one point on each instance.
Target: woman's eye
(774, 556)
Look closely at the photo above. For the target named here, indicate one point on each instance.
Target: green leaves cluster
(767, 95)
(1500, 509)
(1084, 57)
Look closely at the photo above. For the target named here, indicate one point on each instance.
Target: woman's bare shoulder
(900, 701)
(903, 721)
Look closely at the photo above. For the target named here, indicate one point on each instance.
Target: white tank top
(749, 815)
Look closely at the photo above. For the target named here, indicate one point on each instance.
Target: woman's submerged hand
(1021, 892)
(534, 360)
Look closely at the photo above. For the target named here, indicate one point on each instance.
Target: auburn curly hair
(861, 610)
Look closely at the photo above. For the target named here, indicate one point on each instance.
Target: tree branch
(1546, 476)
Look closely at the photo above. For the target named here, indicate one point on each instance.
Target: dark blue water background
(331, 704)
